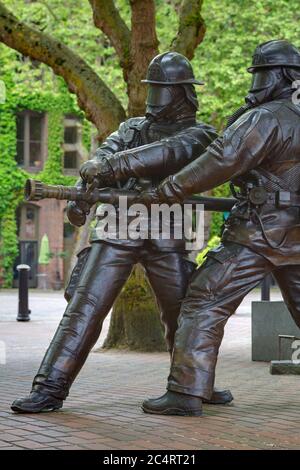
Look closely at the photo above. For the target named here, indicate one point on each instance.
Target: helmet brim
(181, 82)
(270, 66)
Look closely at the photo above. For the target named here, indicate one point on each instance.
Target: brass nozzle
(33, 190)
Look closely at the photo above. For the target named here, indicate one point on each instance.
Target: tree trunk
(143, 47)
(135, 322)
(135, 319)
(191, 29)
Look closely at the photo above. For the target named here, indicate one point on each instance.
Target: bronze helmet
(171, 68)
(276, 53)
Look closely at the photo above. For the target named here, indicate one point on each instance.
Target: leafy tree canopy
(234, 28)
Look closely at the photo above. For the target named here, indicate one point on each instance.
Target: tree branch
(108, 19)
(191, 29)
(46, 5)
(144, 46)
(94, 97)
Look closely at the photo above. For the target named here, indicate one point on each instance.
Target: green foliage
(56, 102)
(11, 184)
(212, 243)
(234, 29)
(8, 246)
(217, 218)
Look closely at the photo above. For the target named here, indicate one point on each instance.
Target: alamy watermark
(160, 222)
(296, 94)
(296, 354)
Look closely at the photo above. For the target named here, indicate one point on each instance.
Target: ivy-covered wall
(52, 98)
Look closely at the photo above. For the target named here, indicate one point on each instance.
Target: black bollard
(265, 288)
(23, 310)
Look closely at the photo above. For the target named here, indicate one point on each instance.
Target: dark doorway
(27, 225)
(28, 254)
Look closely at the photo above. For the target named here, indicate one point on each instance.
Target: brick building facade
(46, 217)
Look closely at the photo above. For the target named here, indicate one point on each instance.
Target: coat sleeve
(112, 144)
(165, 157)
(243, 146)
(116, 142)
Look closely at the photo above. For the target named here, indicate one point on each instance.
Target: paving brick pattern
(103, 410)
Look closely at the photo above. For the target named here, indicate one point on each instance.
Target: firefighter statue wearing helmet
(104, 267)
(259, 152)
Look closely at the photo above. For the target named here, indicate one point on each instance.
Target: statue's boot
(173, 403)
(219, 397)
(36, 402)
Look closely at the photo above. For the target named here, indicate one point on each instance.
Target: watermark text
(160, 222)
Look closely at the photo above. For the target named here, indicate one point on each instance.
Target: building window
(31, 140)
(71, 134)
(72, 145)
(27, 221)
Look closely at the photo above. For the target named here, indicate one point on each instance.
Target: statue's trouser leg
(106, 271)
(288, 279)
(169, 275)
(215, 292)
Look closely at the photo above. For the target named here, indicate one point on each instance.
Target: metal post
(265, 288)
(23, 310)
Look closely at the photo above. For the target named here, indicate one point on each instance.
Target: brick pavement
(103, 410)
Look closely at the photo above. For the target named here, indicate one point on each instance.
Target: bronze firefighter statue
(259, 152)
(169, 137)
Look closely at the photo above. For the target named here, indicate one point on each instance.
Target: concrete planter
(270, 319)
